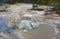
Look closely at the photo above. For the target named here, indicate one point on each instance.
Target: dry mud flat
(53, 17)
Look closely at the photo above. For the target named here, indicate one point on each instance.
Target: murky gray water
(6, 30)
(44, 31)
(53, 22)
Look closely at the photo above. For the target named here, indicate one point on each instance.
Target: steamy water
(6, 29)
(43, 31)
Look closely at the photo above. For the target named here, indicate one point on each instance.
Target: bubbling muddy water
(46, 29)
